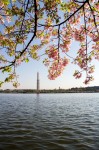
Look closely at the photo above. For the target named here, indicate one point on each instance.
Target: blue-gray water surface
(49, 121)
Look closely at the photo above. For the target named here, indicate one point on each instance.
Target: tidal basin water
(49, 121)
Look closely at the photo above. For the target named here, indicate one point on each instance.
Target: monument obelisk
(38, 83)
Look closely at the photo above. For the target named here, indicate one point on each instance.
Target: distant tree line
(72, 90)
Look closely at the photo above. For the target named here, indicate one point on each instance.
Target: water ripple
(49, 122)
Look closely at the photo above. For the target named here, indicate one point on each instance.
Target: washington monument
(38, 83)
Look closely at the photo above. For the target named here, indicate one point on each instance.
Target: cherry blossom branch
(58, 41)
(67, 18)
(35, 29)
(85, 37)
(93, 17)
(24, 15)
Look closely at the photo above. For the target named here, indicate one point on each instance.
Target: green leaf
(57, 20)
(7, 69)
(26, 60)
(6, 2)
(1, 82)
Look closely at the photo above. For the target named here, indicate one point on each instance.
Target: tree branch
(35, 29)
(67, 18)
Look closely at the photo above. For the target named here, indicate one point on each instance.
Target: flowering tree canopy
(30, 26)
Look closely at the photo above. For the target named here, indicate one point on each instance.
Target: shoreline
(93, 89)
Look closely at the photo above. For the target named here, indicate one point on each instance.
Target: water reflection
(49, 122)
